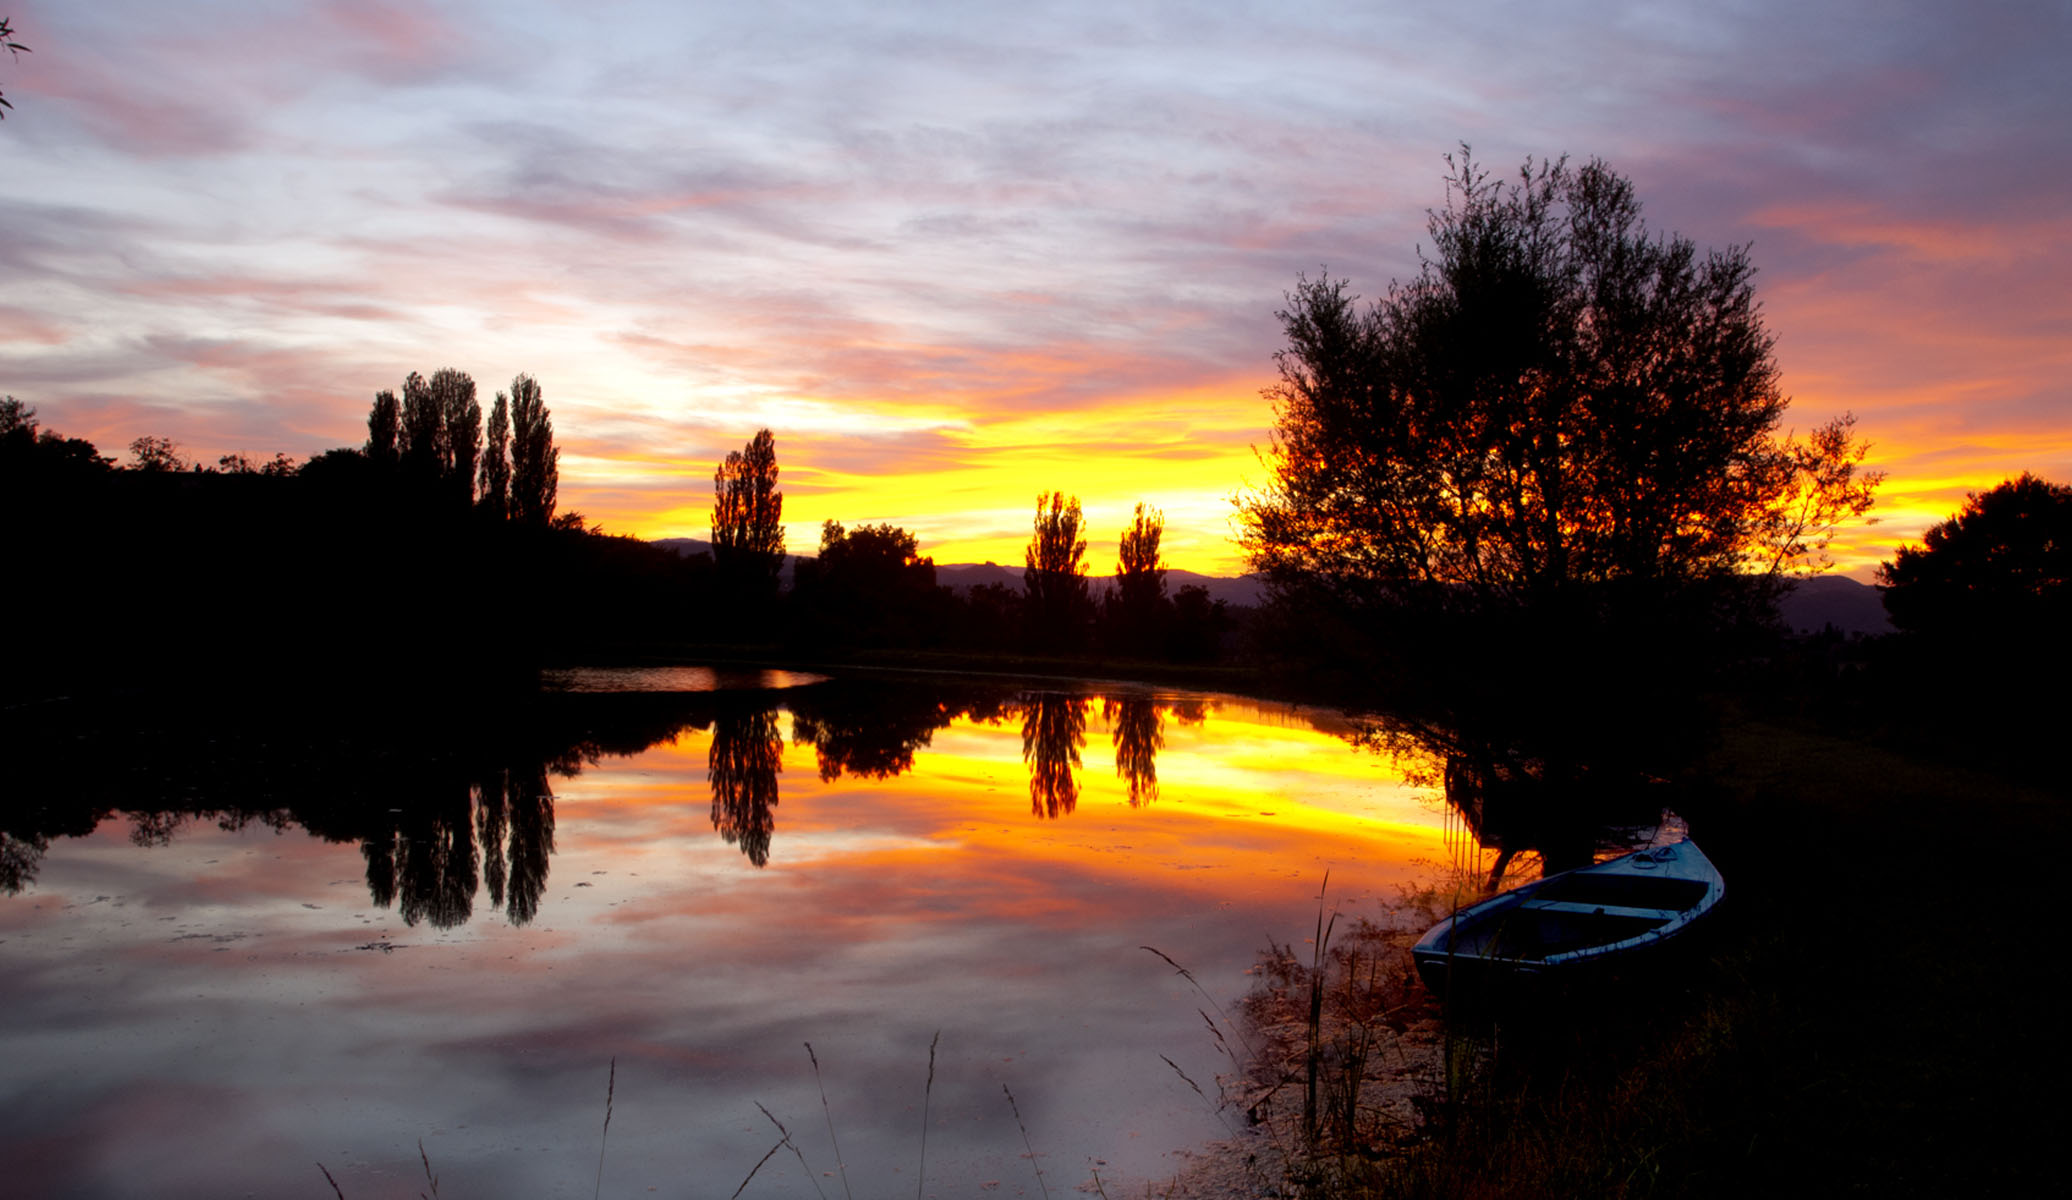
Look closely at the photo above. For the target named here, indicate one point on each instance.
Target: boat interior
(1574, 913)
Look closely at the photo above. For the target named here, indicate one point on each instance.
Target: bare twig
(333, 1182)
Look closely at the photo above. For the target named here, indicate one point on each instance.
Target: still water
(649, 908)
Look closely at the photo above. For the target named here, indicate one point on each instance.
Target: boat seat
(1608, 910)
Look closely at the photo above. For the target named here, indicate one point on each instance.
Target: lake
(235, 953)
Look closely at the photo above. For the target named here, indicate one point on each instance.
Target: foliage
(29, 454)
(1055, 576)
(454, 392)
(422, 445)
(2001, 568)
(869, 586)
(1137, 608)
(1561, 399)
(495, 489)
(748, 515)
(14, 50)
(156, 455)
(384, 428)
(244, 464)
(535, 459)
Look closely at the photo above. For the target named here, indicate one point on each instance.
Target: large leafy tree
(2001, 569)
(869, 586)
(1561, 406)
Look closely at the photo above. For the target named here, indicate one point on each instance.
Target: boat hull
(1560, 926)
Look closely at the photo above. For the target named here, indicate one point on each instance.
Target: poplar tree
(535, 460)
(1055, 574)
(748, 516)
(384, 424)
(423, 429)
(496, 461)
(1140, 583)
(454, 392)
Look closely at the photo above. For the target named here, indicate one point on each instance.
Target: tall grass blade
(783, 1141)
(1017, 1111)
(781, 1144)
(840, 1166)
(1204, 992)
(333, 1182)
(921, 1173)
(611, 1084)
(427, 1159)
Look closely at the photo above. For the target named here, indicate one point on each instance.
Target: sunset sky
(954, 254)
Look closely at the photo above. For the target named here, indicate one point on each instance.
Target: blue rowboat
(1563, 922)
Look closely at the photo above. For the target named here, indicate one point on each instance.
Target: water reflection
(920, 894)
(1053, 734)
(1137, 728)
(452, 830)
(742, 767)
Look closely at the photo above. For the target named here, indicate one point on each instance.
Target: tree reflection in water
(440, 816)
(747, 753)
(1136, 726)
(1053, 733)
(869, 733)
(531, 841)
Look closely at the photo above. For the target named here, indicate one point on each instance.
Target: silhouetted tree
(1054, 577)
(1198, 625)
(384, 427)
(990, 616)
(30, 455)
(1053, 734)
(870, 586)
(280, 466)
(496, 461)
(748, 519)
(454, 392)
(742, 766)
(1999, 570)
(423, 443)
(1534, 488)
(535, 459)
(156, 455)
(1137, 730)
(1137, 606)
(1561, 399)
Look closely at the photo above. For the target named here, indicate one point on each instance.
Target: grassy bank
(1877, 1010)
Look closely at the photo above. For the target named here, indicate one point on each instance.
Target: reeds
(1332, 1053)
(611, 1085)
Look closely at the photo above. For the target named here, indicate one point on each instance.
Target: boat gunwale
(1426, 952)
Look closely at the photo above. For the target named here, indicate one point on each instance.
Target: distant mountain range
(962, 577)
(1851, 607)
(1811, 606)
